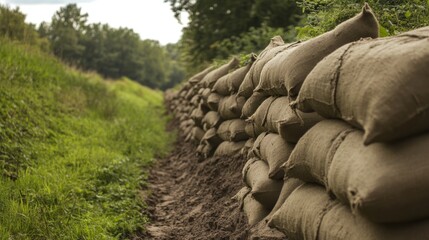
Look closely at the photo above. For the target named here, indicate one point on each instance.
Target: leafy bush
(394, 16)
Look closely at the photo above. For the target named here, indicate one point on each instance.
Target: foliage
(114, 53)
(394, 16)
(73, 148)
(215, 26)
(66, 33)
(218, 29)
(13, 27)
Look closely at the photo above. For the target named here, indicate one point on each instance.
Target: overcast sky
(152, 19)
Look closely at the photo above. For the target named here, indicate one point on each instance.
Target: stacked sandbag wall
(365, 168)
(277, 126)
(335, 133)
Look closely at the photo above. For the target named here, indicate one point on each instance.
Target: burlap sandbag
(233, 130)
(302, 212)
(274, 150)
(197, 77)
(198, 114)
(311, 157)
(230, 83)
(254, 210)
(213, 101)
(247, 147)
(191, 92)
(264, 189)
(212, 138)
(289, 185)
(197, 134)
(186, 124)
(308, 213)
(210, 79)
(227, 148)
(205, 95)
(252, 129)
(303, 59)
(251, 104)
(378, 85)
(275, 115)
(211, 120)
(272, 78)
(195, 100)
(251, 79)
(339, 223)
(385, 182)
(230, 107)
(182, 94)
(204, 150)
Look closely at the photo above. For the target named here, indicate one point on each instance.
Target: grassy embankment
(72, 149)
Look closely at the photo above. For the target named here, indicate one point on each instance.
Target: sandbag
(227, 148)
(211, 120)
(311, 157)
(210, 79)
(275, 115)
(187, 123)
(272, 78)
(251, 104)
(247, 147)
(212, 138)
(213, 101)
(197, 134)
(195, 100)
(197, 116)
(232, 130)
(182, 94)
(308, 213)
(385, 182)
(274, 150)
(379, 85)
(191, 93)
(197, 77)
(264, 189)
(230, 83)
(251, 79)
(302, 212)
(289, 185)
(339, 223)
(252, 130)
(254, 210)
(303, 59)
(205, 95)
(204, 150)
(230, 107)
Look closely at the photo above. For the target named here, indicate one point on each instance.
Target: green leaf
(408, 14)
(383, 31)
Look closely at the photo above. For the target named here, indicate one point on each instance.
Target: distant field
(73, 149)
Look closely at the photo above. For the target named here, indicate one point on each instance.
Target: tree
(13, 26)
(214, 21)
(66, 33)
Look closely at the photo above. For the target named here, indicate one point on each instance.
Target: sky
(151, 19)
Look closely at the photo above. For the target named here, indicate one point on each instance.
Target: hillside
(72, 149)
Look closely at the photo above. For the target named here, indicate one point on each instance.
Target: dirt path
(192, 200)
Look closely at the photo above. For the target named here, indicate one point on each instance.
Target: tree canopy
(215, 23)
(220, 28)
(112, 52)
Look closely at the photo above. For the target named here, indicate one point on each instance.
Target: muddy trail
(191, 198)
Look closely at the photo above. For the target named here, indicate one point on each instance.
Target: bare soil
(190, 198)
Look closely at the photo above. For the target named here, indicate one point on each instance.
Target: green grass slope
(72, 149)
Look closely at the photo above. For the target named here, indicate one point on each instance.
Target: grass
(73, 149)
